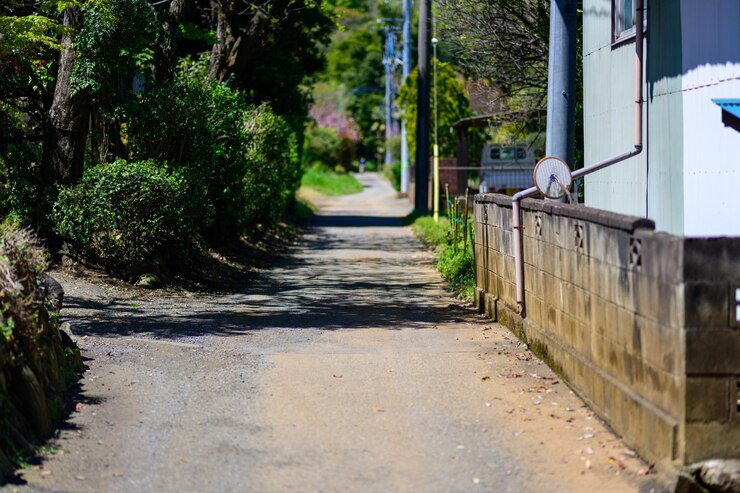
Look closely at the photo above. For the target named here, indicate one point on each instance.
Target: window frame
(618, 38)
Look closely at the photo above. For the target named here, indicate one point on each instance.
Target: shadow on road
(347, 279)
(339, 221)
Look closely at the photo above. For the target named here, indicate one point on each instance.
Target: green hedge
(204, 164)
(245, 158)
(131, 216)
(196, 126)
(272, 169)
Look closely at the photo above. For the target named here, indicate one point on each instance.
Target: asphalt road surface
(348, 367)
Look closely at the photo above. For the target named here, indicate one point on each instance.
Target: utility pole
(561, 78)
(406, 70)
(421, 200)
(389, 60)
(435, 152)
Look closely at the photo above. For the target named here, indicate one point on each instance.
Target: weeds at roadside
(452, 239)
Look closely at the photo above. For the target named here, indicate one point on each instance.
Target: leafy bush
(196, 126)
(273, 170)
(393, 173)
(244, 158)
(130, 216)
(323, 145)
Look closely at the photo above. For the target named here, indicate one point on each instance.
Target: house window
(623, 18)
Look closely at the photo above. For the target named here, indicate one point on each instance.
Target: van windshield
(505, 153)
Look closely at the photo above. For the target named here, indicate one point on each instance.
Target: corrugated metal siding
(597, 25)
(692, 165)
(711, 152)
(608, 115)
(665, 116)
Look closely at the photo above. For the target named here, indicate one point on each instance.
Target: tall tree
(452, 104)
(355, 59)
(66, 134)
(505, 41)
(169, 18)
(270, 49)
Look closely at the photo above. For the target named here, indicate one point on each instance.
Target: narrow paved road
(348, 368)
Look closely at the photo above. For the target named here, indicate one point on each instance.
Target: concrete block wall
(642, 324)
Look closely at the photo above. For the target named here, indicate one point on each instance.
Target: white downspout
(637, 149)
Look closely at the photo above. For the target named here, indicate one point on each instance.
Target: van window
(509, 153)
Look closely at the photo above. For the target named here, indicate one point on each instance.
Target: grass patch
(455, 261)
(329, 183)
(305, 208)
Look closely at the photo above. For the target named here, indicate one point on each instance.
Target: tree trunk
(165, 49)
(241, 36)
(66, 136)
(223, 49)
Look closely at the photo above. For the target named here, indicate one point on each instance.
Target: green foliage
(452, 104)
(323, 145)
(431, 233)
(458, 270)
(28, 32)
(455, 257)
(244, 160)
(29, 42)
(130, 215)
(188, 30)
(114, 42)
(197, 126)
(329, 183)
(393, 173)
(202, 155)
(355, 59)
(273, 169)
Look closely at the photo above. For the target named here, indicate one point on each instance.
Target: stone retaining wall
(643, 325)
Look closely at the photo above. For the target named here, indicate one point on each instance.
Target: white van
(506, 168)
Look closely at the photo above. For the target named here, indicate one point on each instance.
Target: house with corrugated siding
(687, 179)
